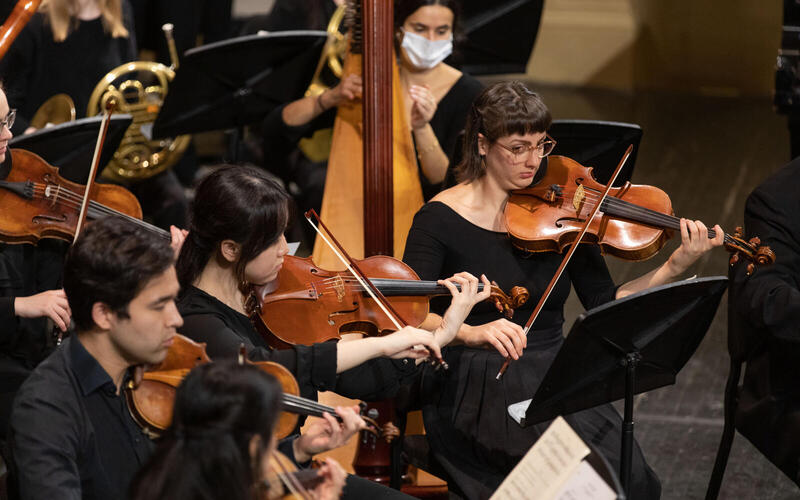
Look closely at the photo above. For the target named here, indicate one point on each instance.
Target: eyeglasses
(520, 151)
(9, 120)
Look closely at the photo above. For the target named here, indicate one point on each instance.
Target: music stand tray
(236, 82)
(628, 346)
(70, 146)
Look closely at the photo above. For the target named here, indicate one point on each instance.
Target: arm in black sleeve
(770, 297)
(589, 274)
(424, 252)
(8, 320)
(46, 451)
(376, 379)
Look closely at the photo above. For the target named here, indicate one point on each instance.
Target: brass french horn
(139, 88)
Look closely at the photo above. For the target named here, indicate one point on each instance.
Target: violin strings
(302, 403)
(386, 285)
(71, 199)
(623, 208)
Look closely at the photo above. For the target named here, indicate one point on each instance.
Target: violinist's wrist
(463, 335)
(300, 454)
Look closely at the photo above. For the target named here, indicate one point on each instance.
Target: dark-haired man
(71, 435)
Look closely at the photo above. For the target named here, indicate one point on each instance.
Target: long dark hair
(502, 109)
(236, 203)
(219, 408)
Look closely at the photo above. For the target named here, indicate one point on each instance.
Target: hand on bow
(410, 342)
(51, 304)
(694, 243)
(327, 433)
(423, 105)
(508, 338)
(333, 480)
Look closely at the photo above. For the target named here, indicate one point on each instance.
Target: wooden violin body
(307, 304)
(548, 216)
(38, 203)
(150, 392)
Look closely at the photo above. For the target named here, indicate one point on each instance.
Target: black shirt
(71, 434)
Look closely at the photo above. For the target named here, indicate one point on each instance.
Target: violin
(38, 203)
(334, 302)
(150, 392)
(635, 220)
(632, 222)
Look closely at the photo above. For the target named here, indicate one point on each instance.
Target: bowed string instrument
(562, 210)
(150, 394)
(337, 303)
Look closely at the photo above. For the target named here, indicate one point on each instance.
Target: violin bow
(568, 256)
(362, 279)
(101, 138)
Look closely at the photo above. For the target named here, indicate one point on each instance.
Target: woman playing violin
(236, 243)
(463, 228)
(221, 444)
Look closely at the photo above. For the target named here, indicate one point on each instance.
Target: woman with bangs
(236, 244)
(465, 408)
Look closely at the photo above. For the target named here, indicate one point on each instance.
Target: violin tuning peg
(750, 268)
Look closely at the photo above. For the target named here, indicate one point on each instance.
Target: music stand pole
(631, 361)
(628, 346)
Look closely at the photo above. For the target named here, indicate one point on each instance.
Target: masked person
(437, 97)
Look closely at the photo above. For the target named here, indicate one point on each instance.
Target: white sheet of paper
(586, 484)
(546, 467)
(293, 247)
(517, 411)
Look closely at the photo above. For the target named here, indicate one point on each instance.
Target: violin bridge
(338, 286)
(580, 196)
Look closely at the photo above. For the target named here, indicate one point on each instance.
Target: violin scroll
(752, 250)
(506, 304)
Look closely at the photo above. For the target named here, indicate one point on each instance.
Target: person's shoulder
(779, 192)
(468, 81)
(51, 384)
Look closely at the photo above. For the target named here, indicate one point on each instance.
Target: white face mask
(424, 53)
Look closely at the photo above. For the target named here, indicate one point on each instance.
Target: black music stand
(236, 82)
(70, 146)
(598, 144)
(626, 347)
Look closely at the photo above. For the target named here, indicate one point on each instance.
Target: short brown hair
(502, 109)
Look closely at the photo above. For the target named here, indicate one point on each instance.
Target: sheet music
(586, 484)
(546, 467)
(293, 246)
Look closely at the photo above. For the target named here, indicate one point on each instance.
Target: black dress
(464, 408)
